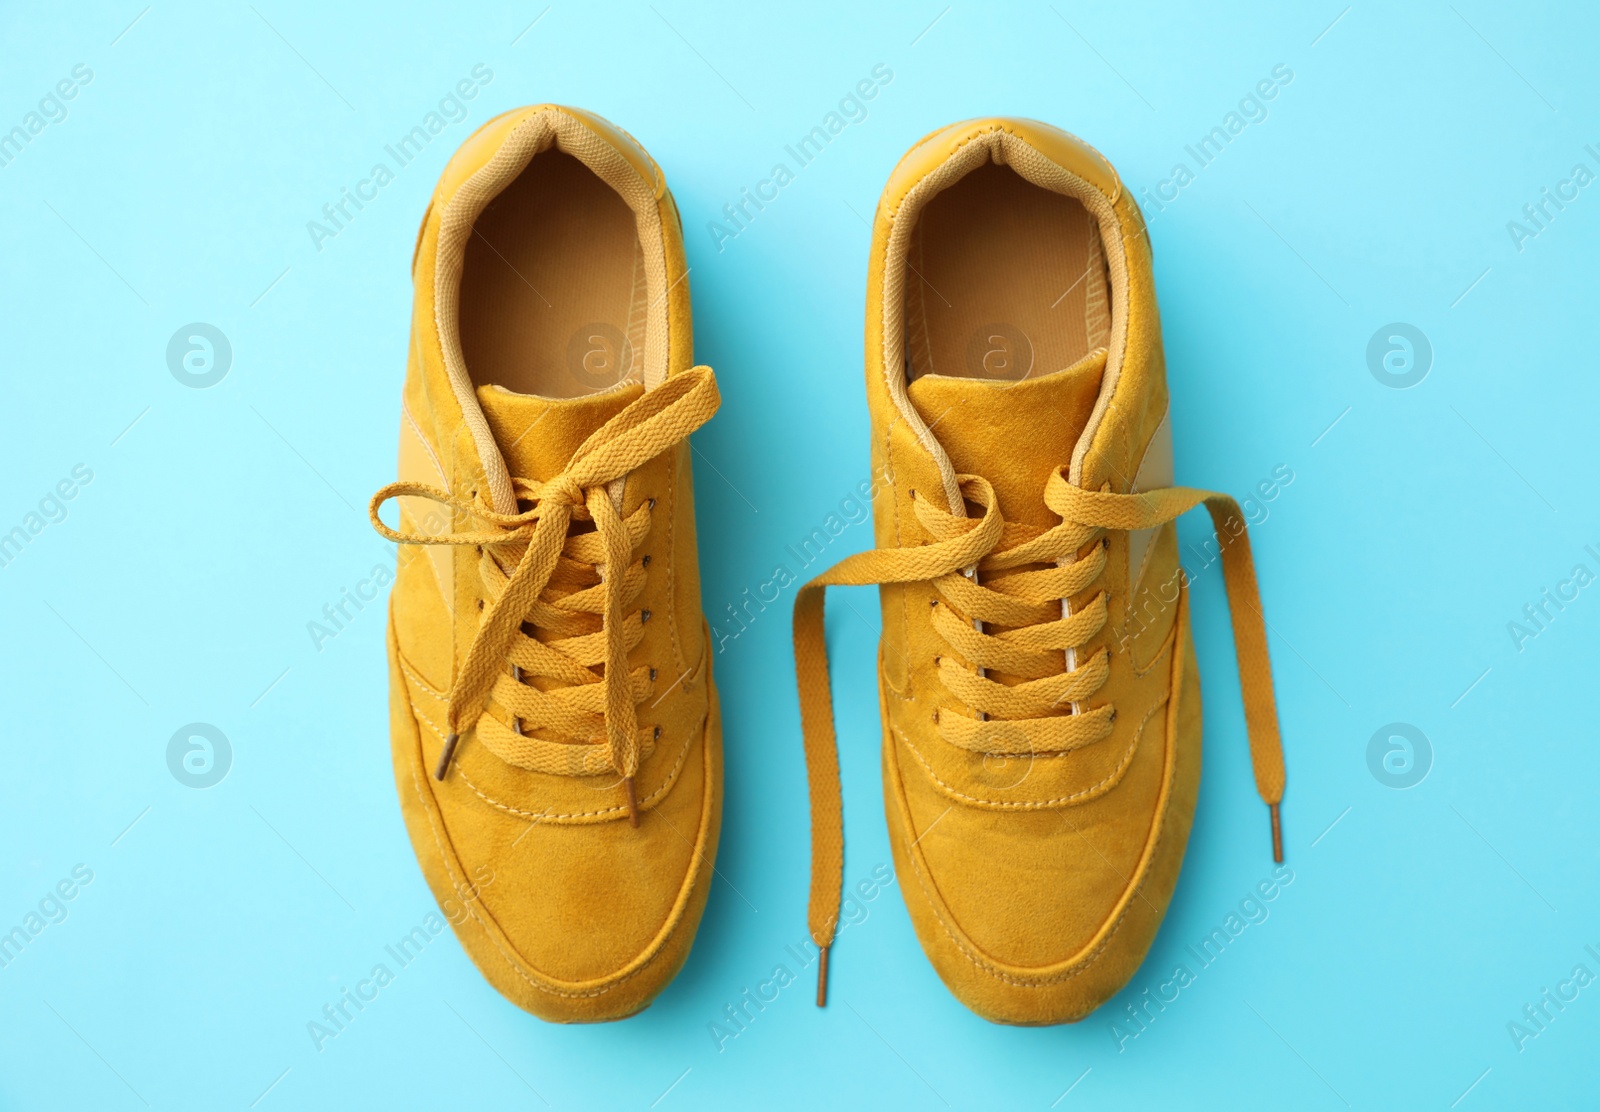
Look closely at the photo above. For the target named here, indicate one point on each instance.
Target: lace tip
(631, 800)
(1277, 834)
(822, 978)
(446, 756)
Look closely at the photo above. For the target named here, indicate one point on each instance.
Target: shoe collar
(617, 161)
(1050, 159)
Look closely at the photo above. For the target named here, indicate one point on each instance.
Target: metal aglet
(631, 800)
(446, 756)
(822, 978)
(1277, 834)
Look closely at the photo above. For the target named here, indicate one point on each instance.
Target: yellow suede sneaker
(1036, 674)
(556, 740)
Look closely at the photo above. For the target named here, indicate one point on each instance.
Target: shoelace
(1026, 718)
(550, 587)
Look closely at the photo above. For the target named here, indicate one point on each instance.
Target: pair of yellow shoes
(556, 737)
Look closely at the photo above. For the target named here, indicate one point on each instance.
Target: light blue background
(180, 585)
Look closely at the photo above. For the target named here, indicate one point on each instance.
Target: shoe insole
(1005, 280)
(553, 289)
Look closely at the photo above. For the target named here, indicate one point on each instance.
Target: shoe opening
(1005, 280)
(553, 291)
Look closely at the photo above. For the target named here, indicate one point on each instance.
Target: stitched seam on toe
(666, 784)
(511, 958)
(1019, 805)
(1084, 963)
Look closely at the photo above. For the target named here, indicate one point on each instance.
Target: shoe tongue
(537, 435)
(1012, 433)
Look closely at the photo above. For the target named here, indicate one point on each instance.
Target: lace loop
(972, 565)
(550, 588)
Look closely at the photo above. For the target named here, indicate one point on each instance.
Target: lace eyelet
(936, 716)
(933, 603)
(644, 616)
(652, 675)
(651, 504)
(644, 563)
(480, 604)
(656, 736)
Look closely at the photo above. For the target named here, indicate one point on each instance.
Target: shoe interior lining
(553, 288)
(1006, 281)
(632, 178)
(1000, 146)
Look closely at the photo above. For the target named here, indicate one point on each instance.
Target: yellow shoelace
(1026, 718)
(561, 583)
